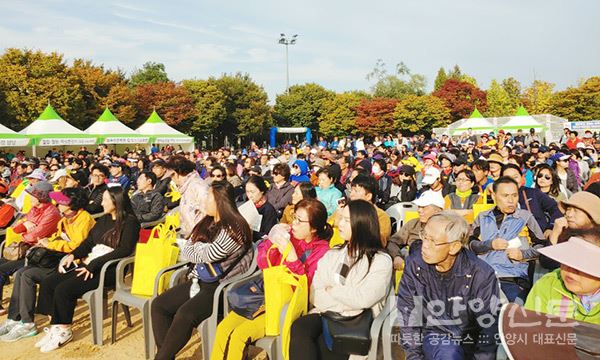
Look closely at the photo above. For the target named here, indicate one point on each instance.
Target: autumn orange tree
(461, 98)
(375, 116)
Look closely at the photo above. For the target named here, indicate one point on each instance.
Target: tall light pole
(284, 40)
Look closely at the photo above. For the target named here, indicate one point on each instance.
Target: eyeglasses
(298, 220)
(547, 177)
(429, 241)
(462, 179)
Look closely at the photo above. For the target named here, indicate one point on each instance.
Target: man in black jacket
(96, 188)
(163, 182)
(148, 204)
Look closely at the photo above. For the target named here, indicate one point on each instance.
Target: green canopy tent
(50, 130)
(476, 122)
(522, 120)
(9, 138)
(111, 131)
(161, 133)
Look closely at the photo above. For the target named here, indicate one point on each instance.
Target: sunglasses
(216, 175)
(547, 177)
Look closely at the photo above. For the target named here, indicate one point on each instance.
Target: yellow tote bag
(298, 306)
(12, 237)
(174, 194)
(336, 239)
(278, 291)
(478, 208)
(159, 252)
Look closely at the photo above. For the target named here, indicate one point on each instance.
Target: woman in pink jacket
(308, 241)
(193, 190)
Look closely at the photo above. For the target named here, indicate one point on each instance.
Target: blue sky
(339, 41)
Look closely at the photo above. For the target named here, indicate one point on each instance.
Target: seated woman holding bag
(113, 237)
(73, 228)
(307, 242)
(40, 222)
(221, 242)
(352, 280)
(302, 191)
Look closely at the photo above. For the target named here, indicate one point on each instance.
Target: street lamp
(284, 40)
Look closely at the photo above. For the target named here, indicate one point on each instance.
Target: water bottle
(195, 288)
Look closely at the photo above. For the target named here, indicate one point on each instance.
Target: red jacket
(45, 218)
(316, 249)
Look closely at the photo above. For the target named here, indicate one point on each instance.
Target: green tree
(96, 84)
(339, 114)
(457, 74)
(498, 101)
(421, 113)
(301, 105)
(150, 73)
(579, 103)
(440, 79)
(210, 106)
(397, 85)
(29, 80)
(537, 98)
(512, 87)
(248, 114)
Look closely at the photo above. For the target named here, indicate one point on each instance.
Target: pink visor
(576, 253)
(60, 198)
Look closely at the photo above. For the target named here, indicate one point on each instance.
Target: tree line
(236, 106)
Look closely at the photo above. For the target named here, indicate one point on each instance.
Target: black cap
(407, 170)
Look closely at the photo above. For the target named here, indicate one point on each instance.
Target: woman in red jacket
(309, 240)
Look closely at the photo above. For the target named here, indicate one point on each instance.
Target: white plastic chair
(98, 304)
(397, 212)
(208, 327)
(122, 295)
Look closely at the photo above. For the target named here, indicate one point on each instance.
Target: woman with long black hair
(113, 237)
(547, 180)
(348, 280)
(224, 240)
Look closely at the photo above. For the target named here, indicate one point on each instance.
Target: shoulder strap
(526, 200)
(236, 262)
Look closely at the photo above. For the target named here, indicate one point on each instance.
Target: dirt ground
(129, 344)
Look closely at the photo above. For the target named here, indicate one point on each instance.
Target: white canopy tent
(111, 131)
(522, 120)
(9, 138)
(160, 132)
(50, 130)
(476, 122)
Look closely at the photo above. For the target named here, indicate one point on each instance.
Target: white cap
(430, 197)
(232, 157)
(431, 175)
(580, 145)
(58, 174)
(274, 162)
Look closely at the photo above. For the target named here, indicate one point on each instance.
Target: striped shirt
(223, 246)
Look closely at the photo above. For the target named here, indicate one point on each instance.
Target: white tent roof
(155, 126)
(50, 123)
(479, 126)
(108, 124)
(5, 130)
(517, 122)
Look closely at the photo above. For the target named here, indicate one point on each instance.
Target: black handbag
(248, 299)
(43, 257)
(350, 335)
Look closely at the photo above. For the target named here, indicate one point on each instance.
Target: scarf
(464, 194)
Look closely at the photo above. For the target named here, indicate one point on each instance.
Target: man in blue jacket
(543, 207)
(448, 298)
(507, 237)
